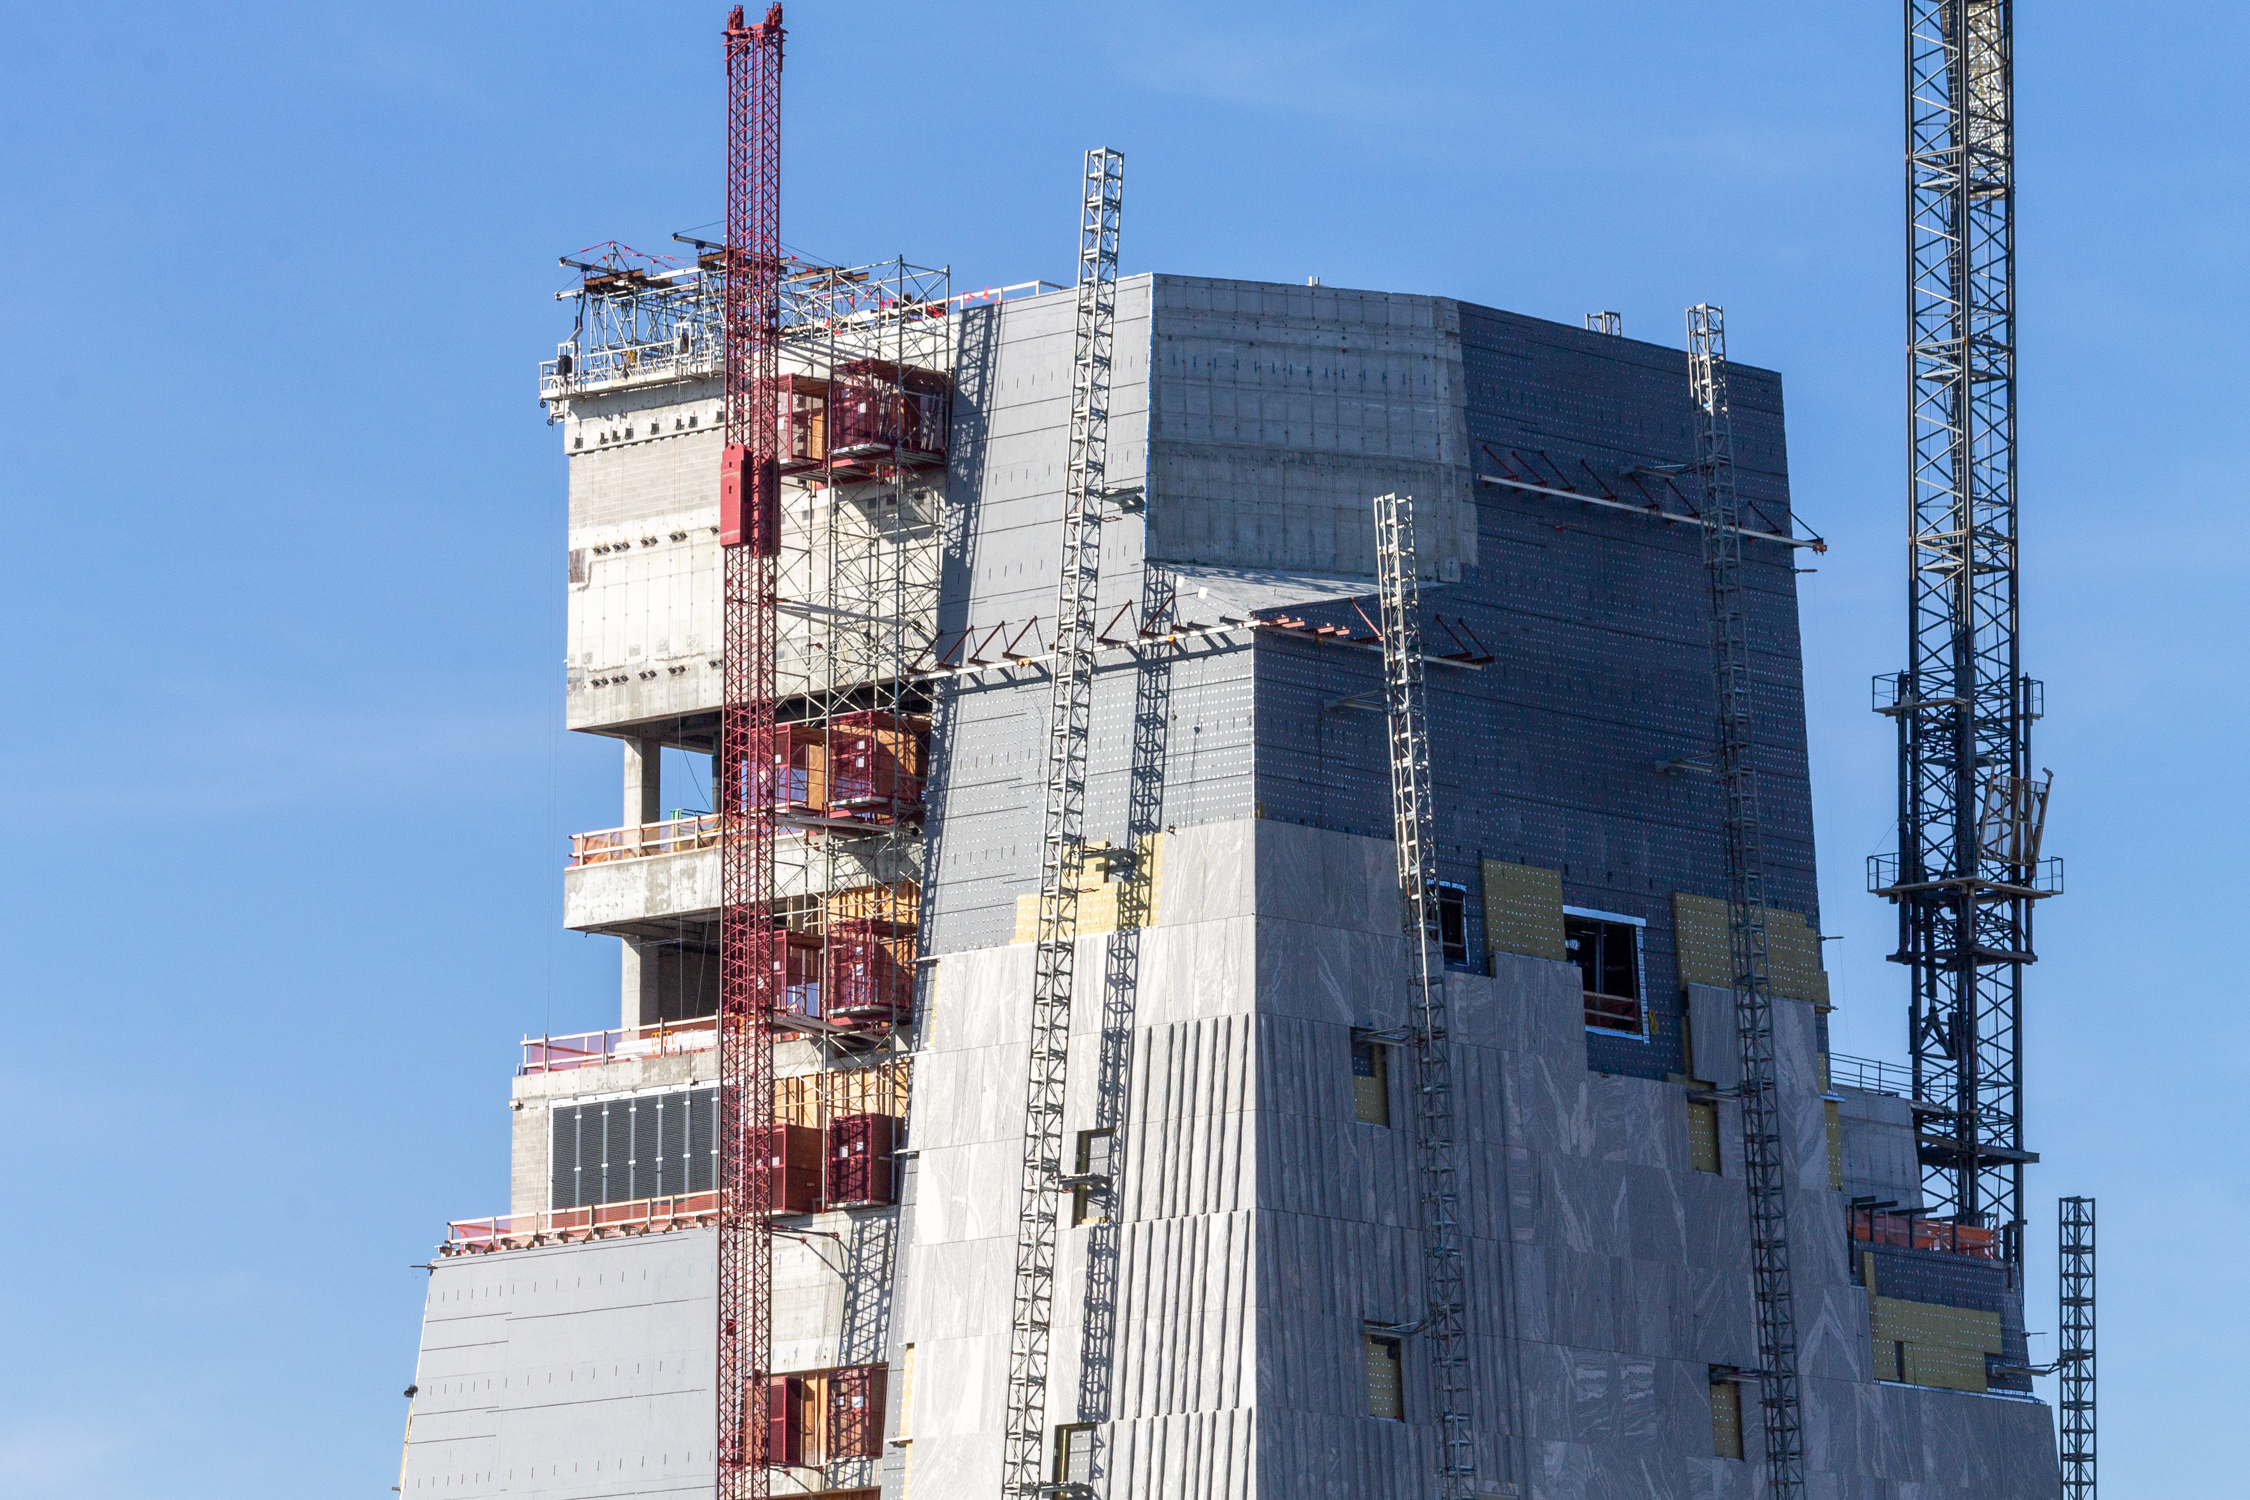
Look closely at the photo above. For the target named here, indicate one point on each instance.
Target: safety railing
(2042, 879)
(555, 1054)
(564, 1226)
(1907, 1232)
(1870, 1075)
(639, 840)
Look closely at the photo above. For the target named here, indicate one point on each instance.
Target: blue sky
(292, 791)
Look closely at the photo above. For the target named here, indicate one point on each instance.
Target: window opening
(1449, 921)
(1074, 1453)
(1607, 949)
(1371, 1081)
(1089, 1185)
(1386, 1396)
(1726, 1414)
(1702, 1130)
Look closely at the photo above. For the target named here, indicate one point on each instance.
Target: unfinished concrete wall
(644, 630)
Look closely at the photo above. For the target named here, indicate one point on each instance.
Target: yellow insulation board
(1523, 910)
(1111, 898)
(1793, 968)
(1945, 1346)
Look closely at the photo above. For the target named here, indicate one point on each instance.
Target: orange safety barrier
(1874, 1227)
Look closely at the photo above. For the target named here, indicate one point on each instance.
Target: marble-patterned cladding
(1880, 1163)
(1262, 1225)
(1607, 1276)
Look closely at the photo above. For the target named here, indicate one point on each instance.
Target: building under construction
(1220, 950)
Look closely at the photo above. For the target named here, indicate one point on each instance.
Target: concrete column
(644, 803)
(644, 781)
(640, 994)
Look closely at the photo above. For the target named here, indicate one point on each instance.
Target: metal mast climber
(2075, 1240)
(749, 535)
(1069, 726)
(1968, 870)
(1746, 904)
(1445, 1324)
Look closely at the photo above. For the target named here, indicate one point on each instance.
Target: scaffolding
(1965, 890)
(2075, 1246)
(1445, 1323)
(1746, 904)
(1069, 725)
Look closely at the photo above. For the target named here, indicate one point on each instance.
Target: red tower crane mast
(749, 536)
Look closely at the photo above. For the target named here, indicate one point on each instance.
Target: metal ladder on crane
(1445, 1324)
(1062, 851)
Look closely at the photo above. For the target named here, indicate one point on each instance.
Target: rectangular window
(1449, 920)
(1607, 949)
(1074, 1454)
(1386, 1395)
(1371, 1082)
(1726, 1415)
(1089, 1200)
(1703, 1134)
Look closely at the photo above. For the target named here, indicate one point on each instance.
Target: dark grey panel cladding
(1279, 409)
(1598, 619)
(1599, 624)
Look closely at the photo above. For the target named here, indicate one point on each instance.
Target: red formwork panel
(785, 1421)
(801, 437)
(798, 963)
(870, 978)
(855, 1412)
(793, 1152)
(879, 409)
(749, 501)
(877, 762)
(859, 1159)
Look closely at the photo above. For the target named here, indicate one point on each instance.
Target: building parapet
(555, 1054)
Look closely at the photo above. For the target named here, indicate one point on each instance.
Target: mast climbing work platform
(1746, 904)
(1069, 724)
(1445, 1324)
